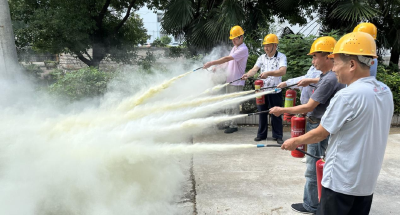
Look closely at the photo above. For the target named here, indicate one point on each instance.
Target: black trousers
(333, 203)
(271, 100)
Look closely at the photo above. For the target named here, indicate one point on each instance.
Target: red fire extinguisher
(258, 84)
(298, 126)
(290, 101)
(320, 170)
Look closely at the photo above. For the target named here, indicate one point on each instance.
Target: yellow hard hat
(270, 38)
(323, 44)
(236, 31)
(367, 28)
(355, 43)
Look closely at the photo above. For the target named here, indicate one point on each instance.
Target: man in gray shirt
(326, 88)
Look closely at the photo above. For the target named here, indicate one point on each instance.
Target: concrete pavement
(268, 180)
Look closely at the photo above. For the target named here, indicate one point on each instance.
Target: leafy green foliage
(157, 43)
(166, 40)
(107, 27)
(148, 61)
(344, 15)
(205, 24)
(296, 48)
(176, 52)
(84, 83)
(391, 78)
(354, 10)
(33, 70)
(161, 42)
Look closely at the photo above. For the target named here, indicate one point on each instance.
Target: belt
(313, 120)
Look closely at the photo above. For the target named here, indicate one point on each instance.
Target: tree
(8, 54)
(206, 23)
(109, 28)
(346, 14)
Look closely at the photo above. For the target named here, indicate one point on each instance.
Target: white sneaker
(304, 160)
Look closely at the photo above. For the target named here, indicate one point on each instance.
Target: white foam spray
(83, 159)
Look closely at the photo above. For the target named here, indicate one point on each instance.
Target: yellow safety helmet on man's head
(357, 43)
(323, 44)
(367, 28)
(235, 32)
(270, 38)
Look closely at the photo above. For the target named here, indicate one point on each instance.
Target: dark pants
(337, 203)
(271, 100)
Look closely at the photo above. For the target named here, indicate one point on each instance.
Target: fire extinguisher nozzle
(260, 145)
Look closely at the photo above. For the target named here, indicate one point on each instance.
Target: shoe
(300, 209)
(230, 130)
(259, 139)
(279, 141)
(223, 128)
(304, 160)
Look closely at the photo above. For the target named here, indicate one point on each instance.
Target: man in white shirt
(358, 122)
(273, 66)
(237, 60)
(306, 91)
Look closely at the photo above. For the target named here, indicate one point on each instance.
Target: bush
(147, 62)
(296, 48)
(391, 78)
(165, 40)
(174, 52)
(33, 70)
(157, 43)
(84, 83)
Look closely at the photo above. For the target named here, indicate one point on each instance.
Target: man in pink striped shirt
(237, 60)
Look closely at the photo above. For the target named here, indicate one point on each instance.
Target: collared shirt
(267, 64)
(358, 119)
(237, 67)
(308, 90)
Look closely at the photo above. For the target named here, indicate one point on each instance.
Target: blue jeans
(310, 198)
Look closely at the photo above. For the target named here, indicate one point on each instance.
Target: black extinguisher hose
(277, 145)
(304, 152)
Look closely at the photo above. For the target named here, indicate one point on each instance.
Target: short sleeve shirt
(237, 67)
(326, 88)
(307, 91)
(358, 120)
(267, 64)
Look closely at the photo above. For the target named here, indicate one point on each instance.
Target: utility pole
(8, 52)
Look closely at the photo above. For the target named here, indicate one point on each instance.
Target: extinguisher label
(289, 102)
(297, 132)
(257, 87)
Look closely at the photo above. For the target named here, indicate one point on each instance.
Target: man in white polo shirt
(236, 60)
(358, 121)
(273, 66)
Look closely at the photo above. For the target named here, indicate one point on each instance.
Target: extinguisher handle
(308, 154)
